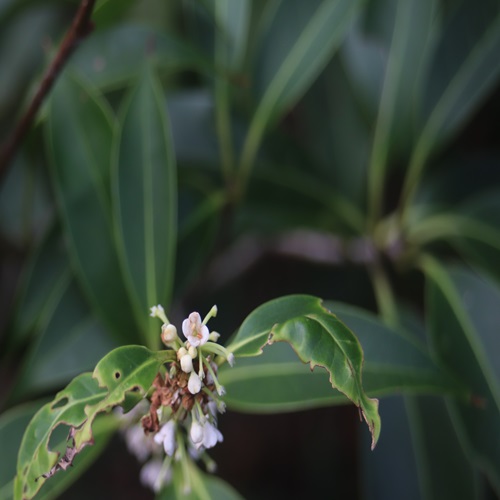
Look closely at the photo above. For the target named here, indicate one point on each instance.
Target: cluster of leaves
(331, 129)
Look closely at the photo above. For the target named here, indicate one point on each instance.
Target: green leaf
(69, 342)
(465, 337)
(145, 200)
(68, 408)
(277, 381)
(13, 422)
(318, 337)
(412, 20)
(233, 18)
(297, 45)
(79, 138)
(12, 426)
(46, 272)
(112, 58)
(480, 242)
(464, 70)
(443, 466)
(126, 370)
(121, 377)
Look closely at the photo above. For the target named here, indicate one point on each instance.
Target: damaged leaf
(35, 459)
(319, 338)
(121, 378)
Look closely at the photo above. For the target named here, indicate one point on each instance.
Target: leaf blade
(79, 135)
(145, 200)
(318, 337)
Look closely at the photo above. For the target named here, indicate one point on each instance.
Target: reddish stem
(79, 29)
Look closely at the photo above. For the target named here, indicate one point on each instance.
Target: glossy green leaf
(13, 422)
(79, 139)
(145, 200)
(126, 372)
(70, 342)
(412, 20)
(318, 337)
(277, 381)
(443, 466)
(464, 70)
(112, 58)
(465, 337)
(480, 241)
(233, 18)
(296, 46)
(46, 272)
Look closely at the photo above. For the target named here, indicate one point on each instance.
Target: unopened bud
(214, 336)
(168, 333)
(194, 383)
(181, 352)
(193, 352)
(187, 363)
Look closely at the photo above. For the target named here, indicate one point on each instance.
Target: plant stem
(79, 29)
(384, 295)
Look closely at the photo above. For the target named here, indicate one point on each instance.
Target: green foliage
(188, 151)
(126, 372)
(318, 338)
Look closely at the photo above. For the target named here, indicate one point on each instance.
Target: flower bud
(194, 383)
(193, 352)
(187, 363)
(181, 352)
(168, 333)
(214, 336)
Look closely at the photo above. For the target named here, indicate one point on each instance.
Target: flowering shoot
(179, 423)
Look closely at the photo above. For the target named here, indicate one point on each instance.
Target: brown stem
(80, 28)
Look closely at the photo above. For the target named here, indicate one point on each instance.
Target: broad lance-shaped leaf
(145, 200)
(394, 362)
(79, 135)
(463, 326)
(121, 378)
(319, 338)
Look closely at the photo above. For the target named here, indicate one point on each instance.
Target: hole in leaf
(59, 404)
(117, 375)
(25, 471)
(135, 389)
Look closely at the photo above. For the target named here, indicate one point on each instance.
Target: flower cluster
(183, 403)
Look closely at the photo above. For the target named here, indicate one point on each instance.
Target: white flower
(166, 436)
(194, 383)
(211, 435)
(154, 475)
(194, 331)
(196, 433)
(187, 363)
(204, 434)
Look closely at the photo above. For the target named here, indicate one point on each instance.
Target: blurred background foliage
(231, 151)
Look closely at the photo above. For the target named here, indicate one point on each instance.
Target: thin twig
(80, 28)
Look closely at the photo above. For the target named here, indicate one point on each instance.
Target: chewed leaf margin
(319, 338)
(121, 378)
